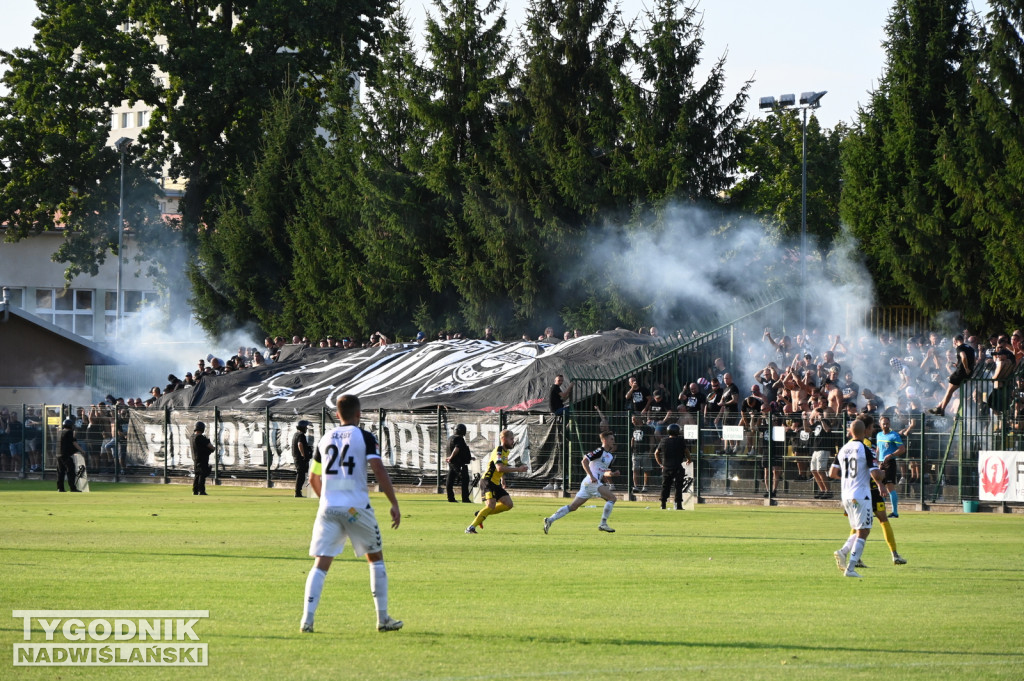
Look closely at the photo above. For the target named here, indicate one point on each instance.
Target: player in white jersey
(855, 465)
(597, 466)
(338, 477)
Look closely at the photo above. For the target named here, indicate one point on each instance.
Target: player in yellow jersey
(877, 500)
(496, 497)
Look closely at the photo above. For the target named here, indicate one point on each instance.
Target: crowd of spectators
(809, 382)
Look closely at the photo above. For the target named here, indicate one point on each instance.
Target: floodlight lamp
(787, 100)
(812, 99)
(766, 103)
(122, 143)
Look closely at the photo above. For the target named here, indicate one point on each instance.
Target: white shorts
(589, 490)
(859, 512)
(335, 524)
(819, 461)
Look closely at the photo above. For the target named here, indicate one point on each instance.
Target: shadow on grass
(556, 640)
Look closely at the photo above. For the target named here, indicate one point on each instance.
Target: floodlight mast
(121, 145)
(808, 100)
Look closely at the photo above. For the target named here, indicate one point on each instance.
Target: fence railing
(731, 457)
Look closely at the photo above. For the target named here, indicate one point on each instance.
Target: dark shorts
(958, 377)
(776, 462)
(891, 471)
(877, 502)
(495, 492)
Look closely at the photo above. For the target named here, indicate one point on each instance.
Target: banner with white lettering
(1001, 476)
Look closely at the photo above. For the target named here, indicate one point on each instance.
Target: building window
(69, 309)
(124, 119)
(15, 297)
(134, 302)
(113, 121)
(140, 118)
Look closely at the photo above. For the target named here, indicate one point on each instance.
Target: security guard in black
(201, 450)
(671, 455)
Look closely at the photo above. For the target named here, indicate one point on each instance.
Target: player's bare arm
(384, 482)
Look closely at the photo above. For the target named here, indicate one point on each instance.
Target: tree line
(341, 179)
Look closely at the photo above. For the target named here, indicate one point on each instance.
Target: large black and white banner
(249, 441)
(473, 375)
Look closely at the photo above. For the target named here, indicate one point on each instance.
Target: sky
(785, 46)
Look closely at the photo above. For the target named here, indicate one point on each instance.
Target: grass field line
(697, 668)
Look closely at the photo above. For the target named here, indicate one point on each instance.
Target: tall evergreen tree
(982, 159)
(464, 78)
(682, 136)
(910, 224)
(243, 267)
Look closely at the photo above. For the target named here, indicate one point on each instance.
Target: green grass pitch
(718, 593)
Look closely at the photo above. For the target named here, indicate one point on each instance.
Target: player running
(496, 497)
(596, 465)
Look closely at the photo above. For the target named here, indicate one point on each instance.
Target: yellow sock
(500, 508)
(481, 514)
(890, 538)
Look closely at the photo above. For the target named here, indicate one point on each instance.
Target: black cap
(69, 423)
(200, 426)
(302, 425)
(460, 429)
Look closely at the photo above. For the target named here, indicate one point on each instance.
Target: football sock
(560, 513)
(314, 587)
(890, 538)
(480, 515)
(895, 499)
(858, 548)
(848, 546)
(608, 506)
(379, 588)
(500, 508)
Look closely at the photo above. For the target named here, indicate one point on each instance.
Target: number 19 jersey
(340, 459)
(855, 463)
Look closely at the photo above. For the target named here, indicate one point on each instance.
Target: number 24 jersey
(340, 459)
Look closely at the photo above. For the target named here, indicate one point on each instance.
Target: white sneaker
(547, 524)
(389, 624)
(604, 527)
(897, 559)
(850, 572)
(307, 628)
(840, 560)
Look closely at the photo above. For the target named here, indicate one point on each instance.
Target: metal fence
(731, 459)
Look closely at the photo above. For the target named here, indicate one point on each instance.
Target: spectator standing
(821, 451)
(301, 455)
(558, 396)
(458, 464)
(637, 396)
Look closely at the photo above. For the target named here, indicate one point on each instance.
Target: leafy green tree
(771, 168)
(910, 224)
(205, 70)
(56, 171)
